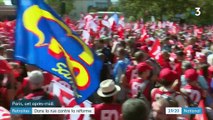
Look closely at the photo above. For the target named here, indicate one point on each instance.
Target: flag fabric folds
(4, 114)
(44, 40)
(202, 116)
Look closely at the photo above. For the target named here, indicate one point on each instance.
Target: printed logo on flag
(50, 45)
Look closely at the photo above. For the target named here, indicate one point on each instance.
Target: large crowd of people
(148, 66)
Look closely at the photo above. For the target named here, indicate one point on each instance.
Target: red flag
(202, 116)
(4, 114)
(67, 20)
(144, 34)
(121, 31)
(113, 20)
(105, 23)
(155, 51)
(105, 17)
(86, 36)
(121, 21)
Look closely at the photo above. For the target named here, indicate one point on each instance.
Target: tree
(169, 9)
(58, 5)
(1, 2)
(113, 8)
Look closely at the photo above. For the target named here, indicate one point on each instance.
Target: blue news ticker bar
(21, 110)
(192, 110)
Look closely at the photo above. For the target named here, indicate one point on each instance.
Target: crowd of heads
(146, 68)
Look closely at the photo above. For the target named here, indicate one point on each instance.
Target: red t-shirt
(178, 68)
(131, 72)
(139, 84)
(107, 111)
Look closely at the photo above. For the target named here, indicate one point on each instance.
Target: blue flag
(43, 40)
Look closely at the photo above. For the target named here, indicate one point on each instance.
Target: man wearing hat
(192, 88)
(186, 65)
(141, 83)
(168, 80)
(108, 110)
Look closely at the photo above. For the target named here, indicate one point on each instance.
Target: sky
(7, 2)
(114, 0)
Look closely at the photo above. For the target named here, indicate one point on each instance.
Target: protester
(120, 65)
(106, 69)
(192, 89)
(150, 59)
(178, 62)
(135, 109)
(36, 80)
(186, 65)
(108, 110)
(159, 106)
(168, 80)
(141, 84)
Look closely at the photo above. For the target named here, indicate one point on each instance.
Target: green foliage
(131, 19)
(169, 9)
(1, 2)
(113, 8)
(92, 10)
(56, 5)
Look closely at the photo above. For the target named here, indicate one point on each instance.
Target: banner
(66, 97)
(44, 40)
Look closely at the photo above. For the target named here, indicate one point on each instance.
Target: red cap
(142, 67)
(4, 67)
(168, 75)
(191, 75)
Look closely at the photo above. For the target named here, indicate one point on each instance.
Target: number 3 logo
(198, 12)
